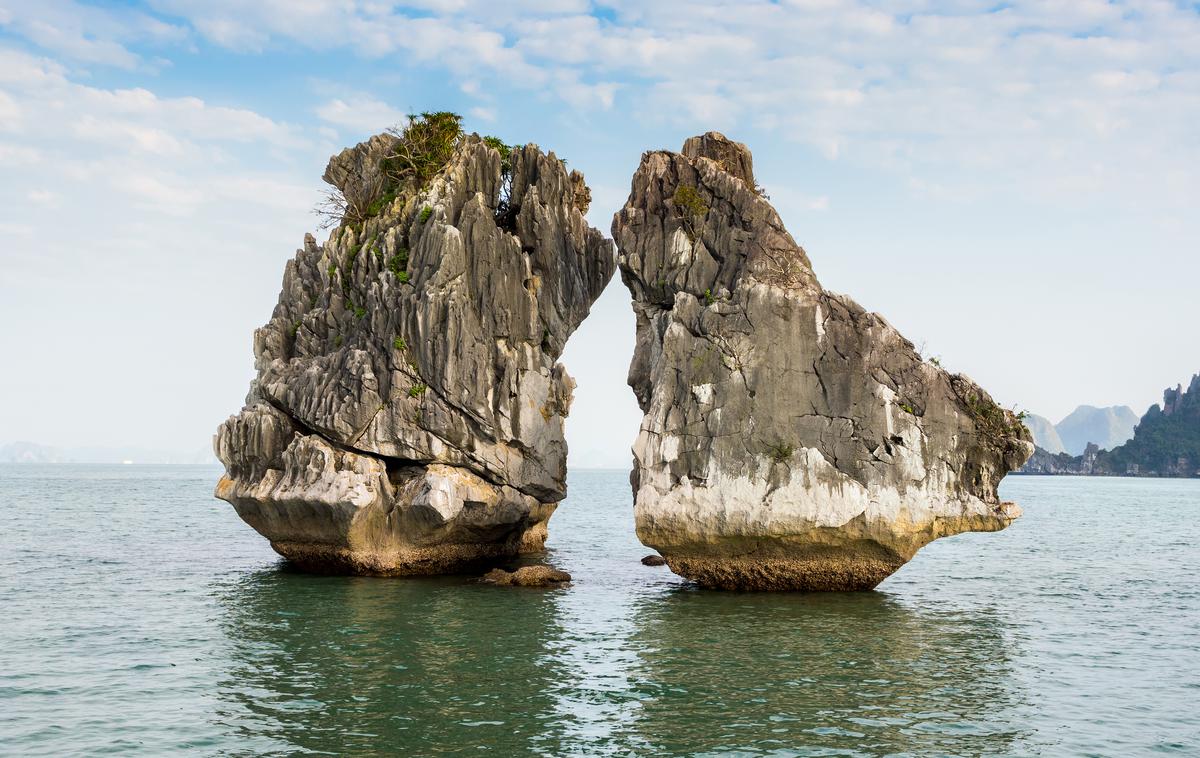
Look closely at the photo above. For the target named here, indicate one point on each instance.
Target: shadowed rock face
(407, 416)
(791, 439)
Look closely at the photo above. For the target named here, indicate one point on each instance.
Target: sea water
(139, 616)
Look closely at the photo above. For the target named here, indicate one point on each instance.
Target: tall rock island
(791, 439)
(407, 414)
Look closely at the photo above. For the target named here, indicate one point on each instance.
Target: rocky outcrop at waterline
(407, 414)
(1045, 463)
(527, 576)
(791, 439)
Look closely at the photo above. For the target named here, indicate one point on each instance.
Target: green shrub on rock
(423, 147)
(690, 207)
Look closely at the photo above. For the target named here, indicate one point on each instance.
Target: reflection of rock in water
(358, 666)
(855, 674)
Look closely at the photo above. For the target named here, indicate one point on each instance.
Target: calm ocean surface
(141, 617)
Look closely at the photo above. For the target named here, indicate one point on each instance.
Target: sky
(1011, 184)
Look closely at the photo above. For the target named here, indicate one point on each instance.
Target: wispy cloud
(66, 142)
(1064, 106)
(1030, 93)
(87, 33)
(359, 113)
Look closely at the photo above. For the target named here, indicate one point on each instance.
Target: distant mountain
(1166, 442)
(1105, 427)
(30, 452)
(1045, 436)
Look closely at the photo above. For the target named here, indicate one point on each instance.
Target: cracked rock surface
(791, 439)
(407, 414)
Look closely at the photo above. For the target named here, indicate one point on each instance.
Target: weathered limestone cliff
(407, 416)
(791, 439)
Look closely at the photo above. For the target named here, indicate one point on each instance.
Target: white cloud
(583, 95)
(86, 33)
(1013, 92)
(74, 143)
(20, 69)
(43, 197)
(788, 199)
(159, 193)
(123, 117)
(152, 227)
(75, 45)
(16, 230)
(10, 113)
(144, 138)
(361, 114)
(18, 155)
(483, 114)
(1061, 104)
(905, 84)
(284, 197)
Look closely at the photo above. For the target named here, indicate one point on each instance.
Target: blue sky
(1011, 184)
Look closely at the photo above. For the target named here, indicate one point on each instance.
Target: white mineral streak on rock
(681, 248)
(791, 440)
(407, 417)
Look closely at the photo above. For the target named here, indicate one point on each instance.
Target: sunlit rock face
(791, 440)
(407, 414)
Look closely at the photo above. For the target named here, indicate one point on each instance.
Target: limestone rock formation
(791, 439)
(407, 415)
(1045, 463)
(528, 576)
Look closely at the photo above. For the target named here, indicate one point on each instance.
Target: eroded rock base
(320, 558)
(834, 573)
(853, 557)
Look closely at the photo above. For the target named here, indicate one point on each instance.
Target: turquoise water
(141, 617)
